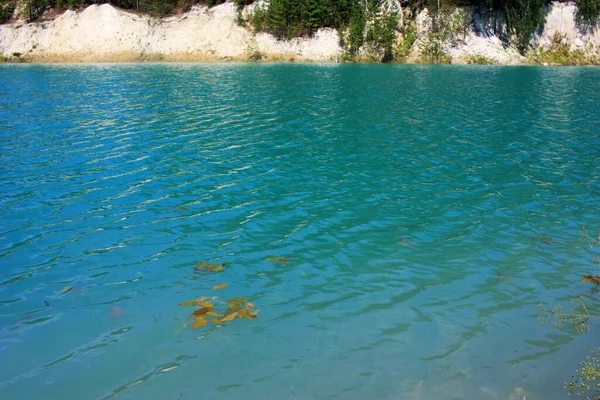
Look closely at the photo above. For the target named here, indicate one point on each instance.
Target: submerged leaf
(210, 267)
(197, 302)
(240, 300)
(202, 311)
(243, 314)
(280, 259)
(199, 322)
(215, 320)
(250, 307)
(66, 289)
(221, 286)
(233, 309)
(229, 317)
(201, 265)
(591, 278)
(230, 303)
(214, 314)
(219, 267)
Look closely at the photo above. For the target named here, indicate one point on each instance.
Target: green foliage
(447, 23)
(35, 8)
(478, 59)
(403, 47)
(588, 12)
(6, 10)
(239, 18)
(382, 34)
(313, 11)
(160, 8)
(258, 19)
(523, 17)
(587, 378)
(560, 53)
(254, 54)
(356, 35)
(278, 18)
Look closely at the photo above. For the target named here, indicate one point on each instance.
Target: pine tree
(276, 18)
(313, 18)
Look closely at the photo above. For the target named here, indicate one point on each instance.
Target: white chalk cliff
(102, 33)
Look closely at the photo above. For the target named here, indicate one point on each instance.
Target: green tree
(277, 18)
(588, 12)
(313, 14)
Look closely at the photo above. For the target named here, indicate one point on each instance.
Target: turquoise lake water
(425, 212)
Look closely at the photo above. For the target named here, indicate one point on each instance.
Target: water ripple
(424, 211)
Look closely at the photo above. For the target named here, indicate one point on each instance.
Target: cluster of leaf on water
(208, 310)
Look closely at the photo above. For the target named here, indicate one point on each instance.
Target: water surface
(425, 212)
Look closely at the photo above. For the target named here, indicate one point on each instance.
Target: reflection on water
(398, 227)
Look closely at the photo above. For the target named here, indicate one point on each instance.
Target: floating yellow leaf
(66, 289)
(197, 302)
(230, 303)
(280, 259)
(201, 265)
(233, 309)
(210, 267)
(215, 320)
(189, 303)
(591, 278)
(219, 267)
(243, 314)
(199, 322)
(240, 300)
(229, 317)
(221, 286)
(202, 311)
(214, 314)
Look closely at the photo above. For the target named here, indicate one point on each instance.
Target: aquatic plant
(586, 381)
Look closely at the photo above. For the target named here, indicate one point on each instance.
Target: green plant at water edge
(252, 50)
(586, 381)
(478, 59)
(382, 34)
(559, 53)
(448, 26)
(356, 32)
(404, 46)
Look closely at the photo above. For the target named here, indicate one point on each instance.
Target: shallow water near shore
(425, 211)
